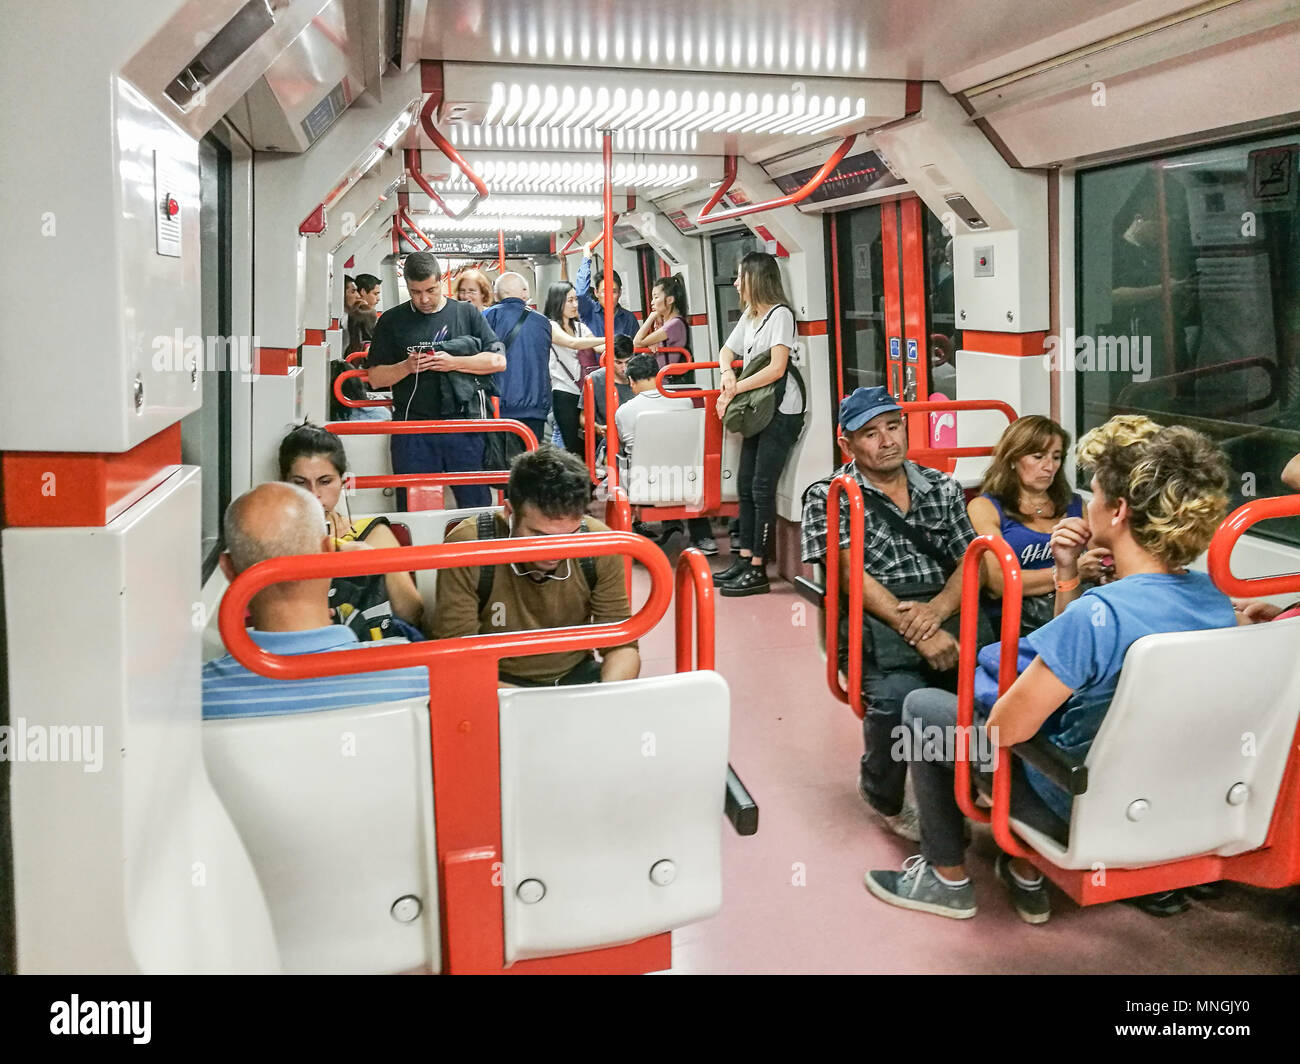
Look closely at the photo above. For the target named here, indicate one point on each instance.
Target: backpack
(749, 413)
(487, 529)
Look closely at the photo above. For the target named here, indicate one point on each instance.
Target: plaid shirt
(938, 509)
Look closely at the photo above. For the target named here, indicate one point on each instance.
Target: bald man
(525, 384)
(277, 520)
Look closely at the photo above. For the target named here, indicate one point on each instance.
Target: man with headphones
(547, 496)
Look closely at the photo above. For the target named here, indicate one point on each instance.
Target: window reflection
(1189, 302)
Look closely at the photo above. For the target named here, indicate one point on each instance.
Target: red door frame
(903, 250)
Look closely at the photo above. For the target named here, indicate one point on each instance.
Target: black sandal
(1166, 903)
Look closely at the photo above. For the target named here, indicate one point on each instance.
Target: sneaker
(708, 546)
(642, 529)
(906, 823)
(1030, 899)
(726, 576)
(753, 582)
(917, 887)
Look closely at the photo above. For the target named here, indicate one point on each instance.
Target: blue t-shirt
(1085, 647)
(230, 690)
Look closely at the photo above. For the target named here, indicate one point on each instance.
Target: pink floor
(793, 900)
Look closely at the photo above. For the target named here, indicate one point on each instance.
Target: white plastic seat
(335, 809)
(731, 443)
(599, 785)
(667, 462)
(1190, 756)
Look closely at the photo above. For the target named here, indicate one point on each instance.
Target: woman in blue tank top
(1023, 495)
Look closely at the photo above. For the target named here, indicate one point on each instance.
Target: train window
(1189, 302)
(205, 434)
(728, 250)
(859, 248)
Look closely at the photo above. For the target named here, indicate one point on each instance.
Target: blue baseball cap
(864, 404)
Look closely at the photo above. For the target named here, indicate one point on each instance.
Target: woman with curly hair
(473, 286)
(1158, 494)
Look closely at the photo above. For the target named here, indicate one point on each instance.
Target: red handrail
(955, 405)
(686, 355)
(444, 146)
(675, 369)
(409, 223)
(847, 485)
(618, 511)
(607, 290)
(693, 573)
(433, 428)
(234, 605)
(573, 239)
(350, 374)
(798, 196)
(354, 357)
(1235, 525)
(1012, 590)
(589, 426)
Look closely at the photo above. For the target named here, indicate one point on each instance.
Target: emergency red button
(171, 207)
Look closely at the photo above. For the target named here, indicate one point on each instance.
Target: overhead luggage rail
(797, 196)
(1202, 810)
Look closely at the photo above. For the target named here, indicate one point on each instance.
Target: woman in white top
(767, 324)
(568, 336)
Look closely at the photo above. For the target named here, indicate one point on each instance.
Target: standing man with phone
(430, 350)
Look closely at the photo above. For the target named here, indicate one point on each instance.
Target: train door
(727, 250)
(892, 304)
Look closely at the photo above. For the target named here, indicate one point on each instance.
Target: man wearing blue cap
(916, 531)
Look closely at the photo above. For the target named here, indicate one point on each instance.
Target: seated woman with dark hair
(1157, 499)
(374, 607)
(1025, 492)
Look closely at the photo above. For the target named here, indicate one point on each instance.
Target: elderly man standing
(525, 385)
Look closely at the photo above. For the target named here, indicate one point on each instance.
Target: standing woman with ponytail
(666, 326)
(766, 325)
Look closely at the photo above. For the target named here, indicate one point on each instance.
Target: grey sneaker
(708, 545)
(1031, 902)
(917, 887)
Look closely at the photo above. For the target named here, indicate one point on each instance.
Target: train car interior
(971, 212)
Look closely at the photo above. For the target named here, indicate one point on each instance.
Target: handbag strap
(514, 329)
(915, 536)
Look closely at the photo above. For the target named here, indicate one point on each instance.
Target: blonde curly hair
(1174, 479)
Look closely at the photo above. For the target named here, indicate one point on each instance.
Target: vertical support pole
(607, 301)
(915, 374)
(501, 252)
(835, 311)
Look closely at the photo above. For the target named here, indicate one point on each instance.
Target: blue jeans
(942, 842)
(454, 453)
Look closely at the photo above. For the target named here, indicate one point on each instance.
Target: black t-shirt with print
(403, 331)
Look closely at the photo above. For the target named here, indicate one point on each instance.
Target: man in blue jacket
(524, 386)
(590, 295)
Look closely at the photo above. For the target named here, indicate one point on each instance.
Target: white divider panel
(1191, 754)
(667, 466)
(601, 788)
(369, 456)
(336, 810)
(731, 443)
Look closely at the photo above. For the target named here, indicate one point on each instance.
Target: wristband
(1067, 585)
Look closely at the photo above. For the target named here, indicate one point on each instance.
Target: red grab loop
(350, 374)
(693, 575)
(573, 239)
(1012, 592)
(1235, 525)
(430, 653)
(845, 484)
(444, 146)
(798, 196)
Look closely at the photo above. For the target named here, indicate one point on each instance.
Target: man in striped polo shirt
(272, 521)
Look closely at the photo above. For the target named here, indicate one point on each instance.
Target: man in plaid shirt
(873, 430)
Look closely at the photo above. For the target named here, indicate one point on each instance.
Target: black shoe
(1166, 903)
(1030, 900)
(1205, 891)
(753, 582)
(729, 576)
(642, 529)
